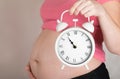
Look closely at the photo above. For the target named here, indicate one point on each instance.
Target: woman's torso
(44, 62)
(46, 65)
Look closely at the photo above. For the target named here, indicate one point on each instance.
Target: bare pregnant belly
(45, 64)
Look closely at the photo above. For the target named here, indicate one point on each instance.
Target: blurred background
(20, 23)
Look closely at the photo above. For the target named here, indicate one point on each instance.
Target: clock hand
(74, 46)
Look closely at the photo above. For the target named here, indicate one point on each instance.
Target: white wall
(19, 26)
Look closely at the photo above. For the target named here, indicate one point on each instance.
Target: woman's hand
(108, 15)
(28, 69)
(87, 8)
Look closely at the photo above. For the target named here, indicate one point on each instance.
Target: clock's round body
(75, 47)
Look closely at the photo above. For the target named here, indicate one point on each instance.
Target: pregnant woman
(44, 63)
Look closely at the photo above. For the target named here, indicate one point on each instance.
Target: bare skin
(44, 63)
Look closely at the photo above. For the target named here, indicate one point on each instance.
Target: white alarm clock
(75, 46)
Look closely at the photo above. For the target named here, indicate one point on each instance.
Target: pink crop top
(50, 12)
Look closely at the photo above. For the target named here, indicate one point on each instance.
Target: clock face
(75, 47)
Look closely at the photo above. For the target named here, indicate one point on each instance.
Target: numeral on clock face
(68, 34)
(75, 32)
(62, 53)
(61, 46)
(89, 46)
(63, 39)
(74, 60)
(86, 54)
(87, 40)
(82, 59)
(67, 58)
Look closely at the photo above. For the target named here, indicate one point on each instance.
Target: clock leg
(87, 67)
(63, 66)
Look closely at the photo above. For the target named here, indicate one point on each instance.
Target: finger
(75, 5)
(82, 6)
(87, 9)
(28, 69)
(79, 8)
(31, 75)
(89, 13)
